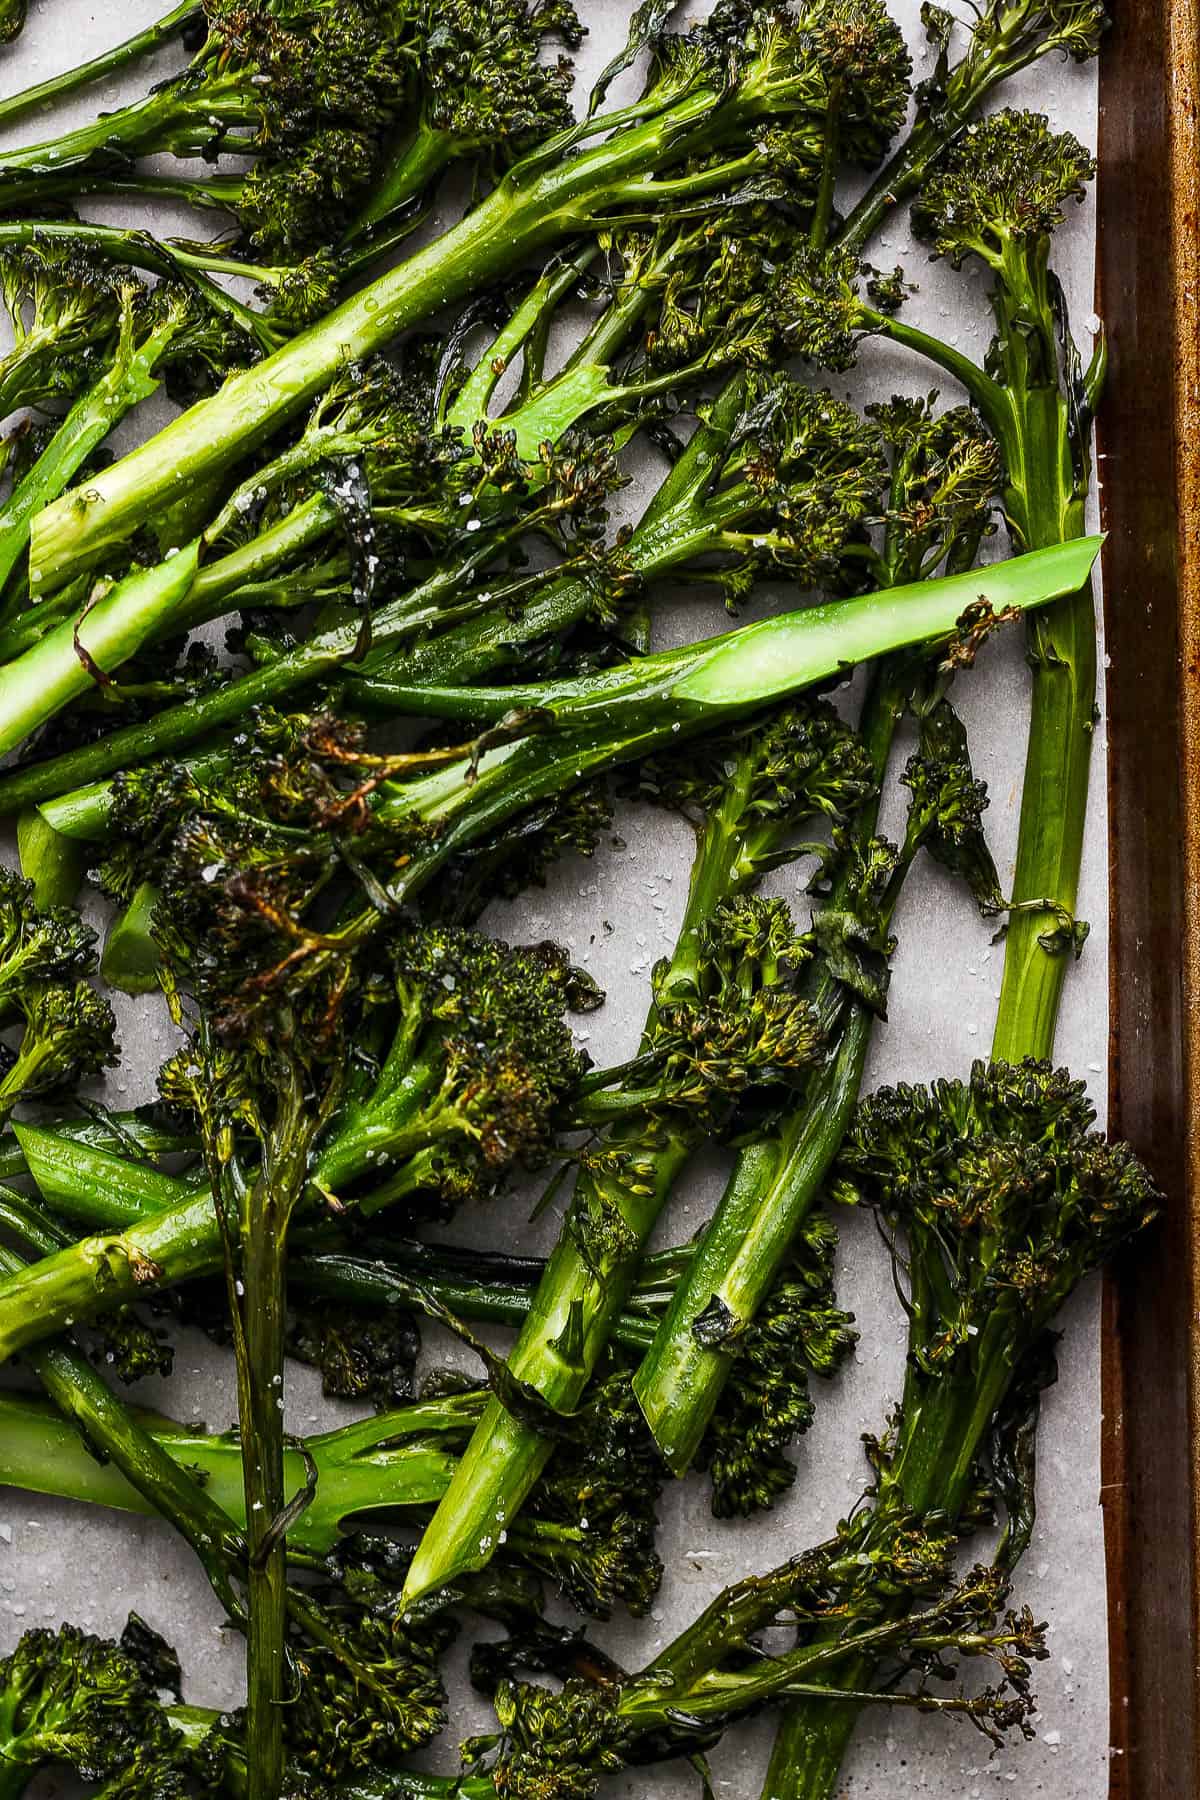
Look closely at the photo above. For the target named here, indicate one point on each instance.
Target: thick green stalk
(47, 1297)
(1048, 507)
(126, 1130)
(578, 1300)
(191, 721)
(693, 686)
(93, 1185)
(254, 1215)
(391, 1462)
(75, 654)
(549, 197)
(620, 714)
(100, 68)
(771, 1190)
(1047, 472)
(774, 1185)
(52, 862)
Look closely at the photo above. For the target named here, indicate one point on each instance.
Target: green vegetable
(944, 474)
(696, 129)
(98, 68)
(727, 1016)
(116, 620)
(988, 1259)
(998, 197)
(50, 862)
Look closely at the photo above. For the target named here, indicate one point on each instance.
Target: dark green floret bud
(1005, 184)
(69, 1698)
(1003, 1184)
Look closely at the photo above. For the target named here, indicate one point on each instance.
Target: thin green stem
(99, 68)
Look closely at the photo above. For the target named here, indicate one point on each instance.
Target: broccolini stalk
(748, 1029)
(615, 716)
(944, 474)
(612, 717)
(776, 480)
(116, 620)
(744, 94)
(1005, 36)
(999, 196)
(989, 1255)
(152, 331)
(136, 1133)
(277, 1087)
(97, 68)
(400, 1460)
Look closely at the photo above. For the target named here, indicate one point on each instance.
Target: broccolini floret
(67, 1697)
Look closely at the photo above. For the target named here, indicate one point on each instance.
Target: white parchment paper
(617, 913)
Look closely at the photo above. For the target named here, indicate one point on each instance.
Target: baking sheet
(58, 1561)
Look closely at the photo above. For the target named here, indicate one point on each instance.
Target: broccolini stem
(105, 1434)
(92, 1185)
(1047, 463)
(253, 1215)
(46, 1297)
(1054, 794)
(77, 653)
(99, 68)
(181, 725)
(773, 1187)
(415, 168)
(395, 1461)
(125, 1131)
(583, 1290)
(540, 202)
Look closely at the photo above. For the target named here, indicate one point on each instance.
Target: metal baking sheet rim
(1148, 270)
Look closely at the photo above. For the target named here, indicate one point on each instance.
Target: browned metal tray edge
(1149, 438)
